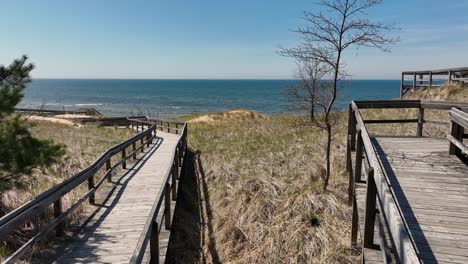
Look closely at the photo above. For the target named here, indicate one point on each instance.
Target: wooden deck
(431, 188)
(409, 193)
(112, 232)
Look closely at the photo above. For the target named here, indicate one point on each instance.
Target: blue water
(167, 98)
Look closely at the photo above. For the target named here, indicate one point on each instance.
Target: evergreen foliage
(20, 152)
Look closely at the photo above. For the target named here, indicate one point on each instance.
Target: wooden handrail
(151, 229)
(12, 220)
(459, 121)
(389, 205)
(385, 197)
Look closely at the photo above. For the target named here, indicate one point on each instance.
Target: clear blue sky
(212, 39)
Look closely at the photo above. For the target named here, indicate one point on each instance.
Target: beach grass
(84, 145)
(260, 188)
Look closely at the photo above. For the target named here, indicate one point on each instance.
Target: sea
(170, 98)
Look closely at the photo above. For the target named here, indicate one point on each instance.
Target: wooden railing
(152, 228)
(84, 111)
(459, 120)
(458, 75)
(381, 204)
(53, 197)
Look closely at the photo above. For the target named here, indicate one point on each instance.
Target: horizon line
(205, 79)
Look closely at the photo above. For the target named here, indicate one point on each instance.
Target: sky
(208, 39)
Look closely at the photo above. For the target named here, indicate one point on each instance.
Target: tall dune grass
(83, 146)
(263, 201)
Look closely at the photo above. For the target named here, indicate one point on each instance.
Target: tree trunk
(328, 157)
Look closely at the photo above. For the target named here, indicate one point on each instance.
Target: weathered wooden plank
(405, 248)
(115, 229)
(431, 188)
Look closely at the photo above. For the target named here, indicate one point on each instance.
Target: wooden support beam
(91, 185)
(414, 81)
(354, 223)
(57, 213)
(402, 85)
(167, 206)
(430, 80)
(419, 131)
(456, 132)
(175, 176)
(124, 163)
(369, 221)
(352, 128)
(154, 243)
(359, 153)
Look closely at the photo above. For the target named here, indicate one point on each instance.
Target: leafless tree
(307, 93)
(341, 25)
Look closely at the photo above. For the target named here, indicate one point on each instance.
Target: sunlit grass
(264, 187)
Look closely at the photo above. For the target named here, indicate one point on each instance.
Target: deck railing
(53, 197)
(459, 122)
(40, 111)
(418, 80)
(152, 228)
(381, 204)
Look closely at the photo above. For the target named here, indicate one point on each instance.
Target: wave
(97, 104)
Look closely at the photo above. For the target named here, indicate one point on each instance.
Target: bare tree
(341, 25)
(307, 93)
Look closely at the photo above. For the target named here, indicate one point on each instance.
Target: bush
(20, 152)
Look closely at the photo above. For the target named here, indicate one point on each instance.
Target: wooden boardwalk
(431, 187)
(112, 233)
(409, 193)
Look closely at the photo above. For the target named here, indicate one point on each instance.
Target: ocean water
(166, 98)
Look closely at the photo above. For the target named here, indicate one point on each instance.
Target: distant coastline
(174, 97)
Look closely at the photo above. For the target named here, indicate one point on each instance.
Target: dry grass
(264, 191)
(83, 146)
(263, 200)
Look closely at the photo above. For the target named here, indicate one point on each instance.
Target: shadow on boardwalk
(192, 231)
(81, 243)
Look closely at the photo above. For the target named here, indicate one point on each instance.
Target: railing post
(92, 199)
(167, 206)
(457, 132)
(369, 221)
(350, 185)
(134, 150)
(402, 85)
(430, 80)
(57, 213)
(359, 153)
(168, 127)
(148, 141)
(354, 223)
(108, 167)
(177, 128)
(124, 163)
(181, 153)
(175, 176)
(352, 128)
(419, 131)
(154, 243)
(142, 145)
